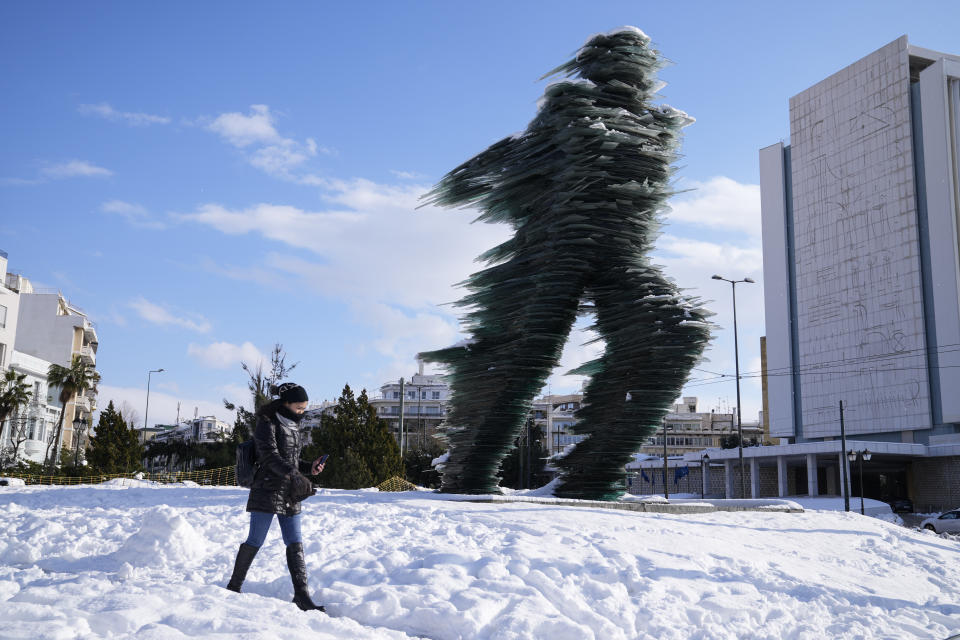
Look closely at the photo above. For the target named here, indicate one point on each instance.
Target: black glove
(300, 487)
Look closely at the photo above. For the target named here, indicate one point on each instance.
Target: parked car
(900, 505)
(946, 522)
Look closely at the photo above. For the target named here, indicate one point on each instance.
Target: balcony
(88, 356)
(89, 332)
(83, 403)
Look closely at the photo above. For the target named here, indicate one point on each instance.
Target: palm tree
(72, 380)
(14, 394)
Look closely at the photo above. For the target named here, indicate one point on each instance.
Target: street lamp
(704, 463)
(853, 456)
(736, 362)
(79, 426)
(666, 492)
(146, 412)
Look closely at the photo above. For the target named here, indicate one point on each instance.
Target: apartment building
(53, 329)
(203, 429)
(554, 415)
(424, 406)
(39, 328)
(689, 430)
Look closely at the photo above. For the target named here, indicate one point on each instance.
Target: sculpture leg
(520, 323)
(653, 336)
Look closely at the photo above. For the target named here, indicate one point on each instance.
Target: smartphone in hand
(318, 464)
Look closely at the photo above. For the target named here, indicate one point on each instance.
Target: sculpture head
(623, 54)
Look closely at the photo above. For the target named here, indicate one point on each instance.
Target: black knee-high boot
(298, 574)
(244, 557)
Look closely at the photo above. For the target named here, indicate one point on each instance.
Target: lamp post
(736, 363)
(844, 480)
(79, 426)
(666, 492)
(146, 412)
(400, 425)
(854, 456)
(704, 464)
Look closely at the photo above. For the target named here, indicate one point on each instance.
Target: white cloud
(407, 175)
(163, 406)
(135, 214)
(375, 246)
(269, 151)
(719, 203)
(401, 334)
(74, 168)
(223, 355)
(106, 111)
(699, 254)
(157, 314)
(243, 130)
(237, 394)
(20, 182)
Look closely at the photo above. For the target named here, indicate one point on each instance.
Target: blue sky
(207, 179)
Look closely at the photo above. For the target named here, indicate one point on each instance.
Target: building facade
(203, 429)
(424, 407)
(689, 430)
(554, 415)
(862, 270)
(29, 430)
(37, 329)
(54, 330)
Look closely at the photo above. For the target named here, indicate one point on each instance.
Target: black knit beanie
(292, 392)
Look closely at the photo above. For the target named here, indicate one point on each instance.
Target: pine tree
(114, 447)
(362, 451)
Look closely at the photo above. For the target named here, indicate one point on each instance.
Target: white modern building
(689, 430)
(203, 429)
(862, 279)
(424, 406)
(54, 330)
(38, 329)
(29, 430)
(9, 310)
(554, 415)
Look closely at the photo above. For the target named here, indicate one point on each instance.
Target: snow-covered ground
(148, 561)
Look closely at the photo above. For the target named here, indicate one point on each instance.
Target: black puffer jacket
(278, 441)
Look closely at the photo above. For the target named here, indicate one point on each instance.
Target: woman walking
(279, 485)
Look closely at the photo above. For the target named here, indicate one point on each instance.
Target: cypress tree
(114, 447)
(362, 451)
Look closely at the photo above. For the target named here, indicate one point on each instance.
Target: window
(436, 395)
(396, 395)
(412, 395)
(3, 316)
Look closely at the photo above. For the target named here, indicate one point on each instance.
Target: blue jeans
(260, 523)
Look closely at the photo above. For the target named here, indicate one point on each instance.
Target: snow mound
(128, 482)
(164, 536)
(12, 482)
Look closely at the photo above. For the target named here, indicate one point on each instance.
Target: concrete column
(754, 478)
(782, 485)
(813, 488)
(728, 478)
(705, 480)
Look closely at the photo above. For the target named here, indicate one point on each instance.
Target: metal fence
(224, 477)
